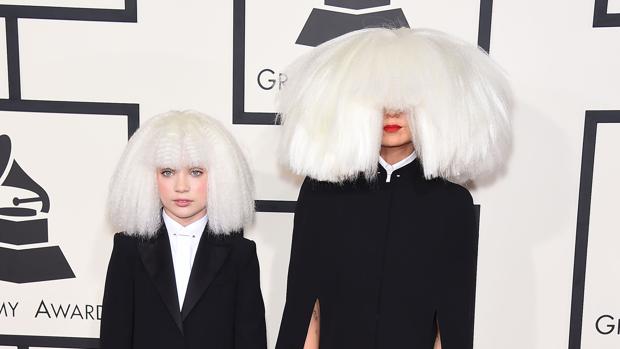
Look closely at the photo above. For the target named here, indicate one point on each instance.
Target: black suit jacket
(223, 306)
(387, 261)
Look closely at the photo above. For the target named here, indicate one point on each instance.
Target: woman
(384, 244)
(181, 275)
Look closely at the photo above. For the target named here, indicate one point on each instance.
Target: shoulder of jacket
(123, 237)
(243, 249)
(312, 188)
(244, 245)
(454, 192)
(125, 240)
(126, 245)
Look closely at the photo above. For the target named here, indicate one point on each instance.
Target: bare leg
(314, 328)
(437, 340)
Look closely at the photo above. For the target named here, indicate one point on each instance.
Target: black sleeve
(250, 311)
(302, 284)
(117, 308)
(457, 277)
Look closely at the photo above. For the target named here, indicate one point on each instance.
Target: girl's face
(396, 131)
(183, 193)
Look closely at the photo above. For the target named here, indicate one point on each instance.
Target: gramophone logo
(23, 221)
(324, 25)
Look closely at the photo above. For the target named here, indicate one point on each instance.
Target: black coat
(387, 261)
(223, 306)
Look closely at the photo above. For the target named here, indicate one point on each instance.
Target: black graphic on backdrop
(23, 225)
(593, 118)
(357, 4)
(12, 14)
(323, 25)
(602, 17)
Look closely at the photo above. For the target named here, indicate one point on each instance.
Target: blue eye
(167, 172)
(196, 172)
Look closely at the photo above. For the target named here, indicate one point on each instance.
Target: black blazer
(387, 261)
(223, 306)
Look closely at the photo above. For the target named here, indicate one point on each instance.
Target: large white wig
(181, 139)
(457, 99)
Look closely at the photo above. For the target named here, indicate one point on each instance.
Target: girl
(181, 275)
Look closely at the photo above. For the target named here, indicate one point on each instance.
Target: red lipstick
(391, 128)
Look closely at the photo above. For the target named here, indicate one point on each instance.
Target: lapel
(210, 256)
(157, 259)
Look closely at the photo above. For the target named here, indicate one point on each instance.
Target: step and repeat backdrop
(78, 77)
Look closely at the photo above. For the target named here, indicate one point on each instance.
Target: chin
(184, 213)
(188, 214)
(394, 144)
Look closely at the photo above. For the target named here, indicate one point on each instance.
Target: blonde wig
(180, 139)
(457, 100)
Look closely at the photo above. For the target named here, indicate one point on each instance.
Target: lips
(182, 202)
(391, 128)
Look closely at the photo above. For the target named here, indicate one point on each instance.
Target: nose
(181, 185)
(393, 114)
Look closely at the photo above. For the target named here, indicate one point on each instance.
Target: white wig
(457, 100)
(175, 140)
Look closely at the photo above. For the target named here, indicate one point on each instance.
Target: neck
(392, 155)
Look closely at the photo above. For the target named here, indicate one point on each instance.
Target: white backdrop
(179, 55)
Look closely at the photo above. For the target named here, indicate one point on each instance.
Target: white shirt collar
(391, 168)
(184, 243)
(195, 229)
